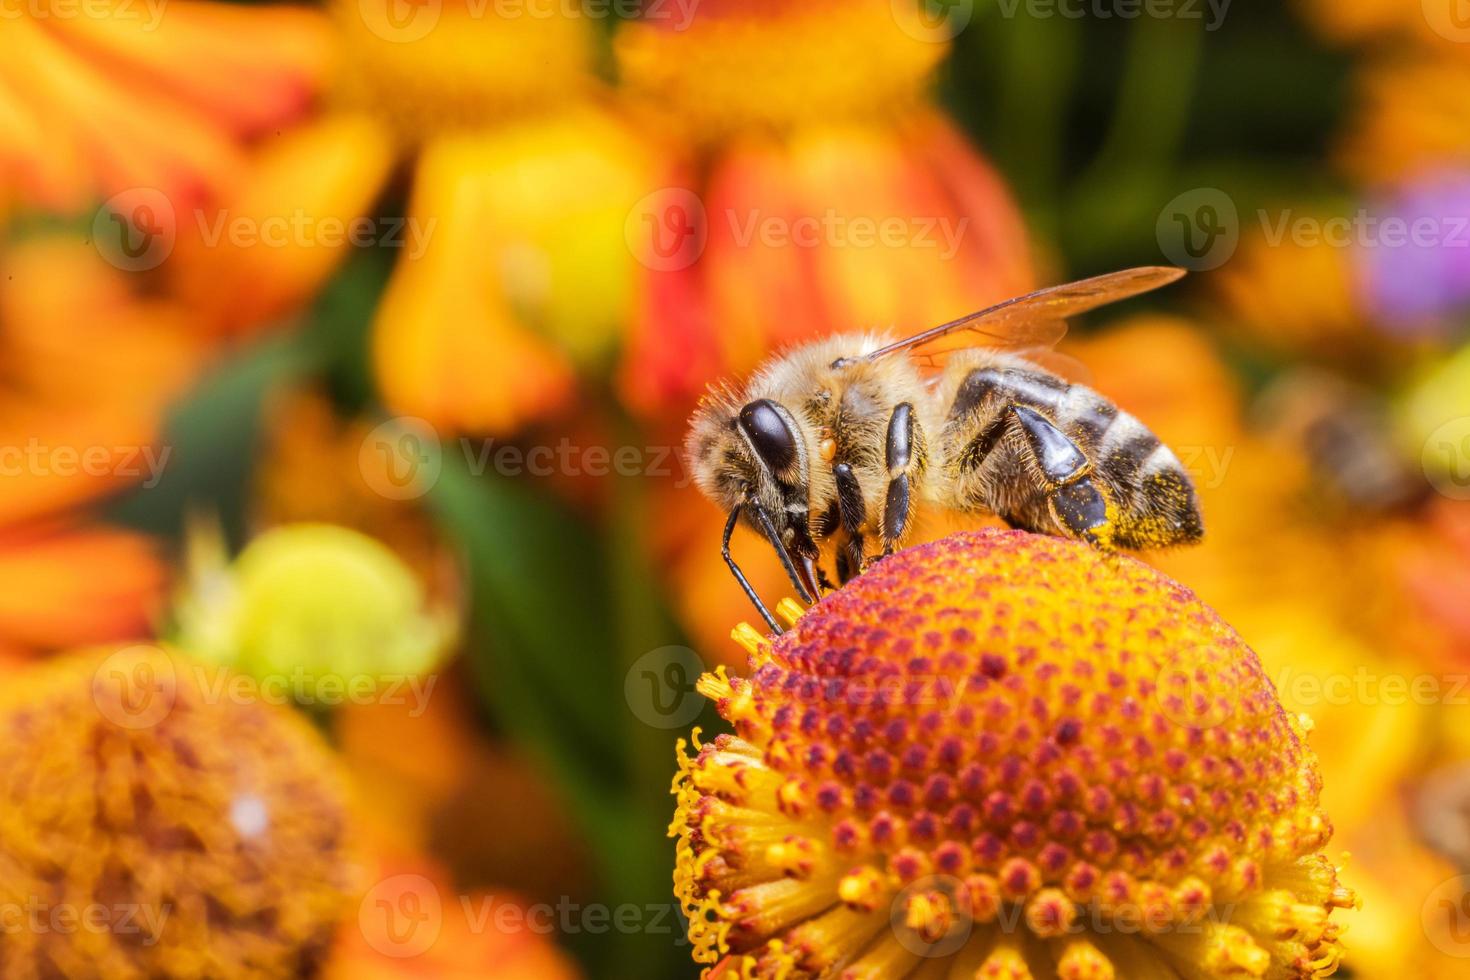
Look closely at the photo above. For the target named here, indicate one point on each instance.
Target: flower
(1410, 114)
(216, 825)
(316, 467)
(1410, 894)
(1412, 287)
(277, 231)
(1295, 299)
(856, 206)
(1427, 22)
(1430, 409)
(520, 276)
(90, 369)
(445, 935)
(1016, 756)
(327, 602)
(146, 95)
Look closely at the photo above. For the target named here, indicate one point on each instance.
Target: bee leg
(1073, 497)
(749, 590)
(899, 458)
(852, 513)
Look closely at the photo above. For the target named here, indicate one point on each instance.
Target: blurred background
(352, 584)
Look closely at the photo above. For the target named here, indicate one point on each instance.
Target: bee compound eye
(769, 434)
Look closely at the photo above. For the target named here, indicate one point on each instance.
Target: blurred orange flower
(1433, 22)
(106, 96)
(820, 193)
(90, 368)
(1409, 895)
(412, 923)
(217, 824)
(276, 231)
(514, 273)
(1297, 299)
(1412, 113)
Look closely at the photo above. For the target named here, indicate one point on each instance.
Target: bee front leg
(903, 456)
(1076, 502)
(852, 513)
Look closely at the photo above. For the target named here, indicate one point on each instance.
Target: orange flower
(1411, 923)
(412, 924)
(99, 98)
(1432, 22)
(854, 206)
(1296, 300)
(90, 370)
(276, 232)
(207, 834)
(514, 274)
(1182, 389)
(1005, 755)
(1412, 113)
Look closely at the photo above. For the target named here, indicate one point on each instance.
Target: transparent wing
(1036, 320)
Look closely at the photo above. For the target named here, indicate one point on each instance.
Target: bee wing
(1064, 366)
(1036, 320)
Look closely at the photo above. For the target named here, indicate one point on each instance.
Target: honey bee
(844, 440)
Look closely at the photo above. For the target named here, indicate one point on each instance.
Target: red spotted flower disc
(1001, 755)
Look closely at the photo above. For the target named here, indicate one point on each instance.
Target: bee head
(755, 453)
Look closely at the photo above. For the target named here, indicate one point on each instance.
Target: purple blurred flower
(1415, 270)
